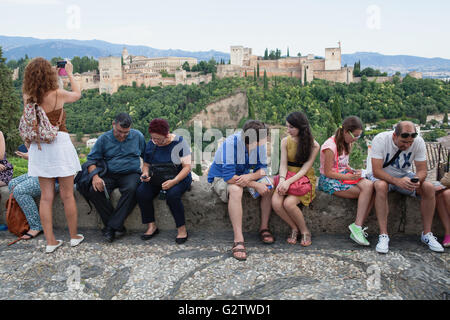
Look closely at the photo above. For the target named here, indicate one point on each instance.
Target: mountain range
(18, 47)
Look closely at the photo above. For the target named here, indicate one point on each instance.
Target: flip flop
(30, 236)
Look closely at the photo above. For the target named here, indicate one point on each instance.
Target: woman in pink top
(338, 178)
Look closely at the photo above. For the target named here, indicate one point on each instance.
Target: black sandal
(30, 235)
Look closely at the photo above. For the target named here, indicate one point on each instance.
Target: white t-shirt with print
(383, 147)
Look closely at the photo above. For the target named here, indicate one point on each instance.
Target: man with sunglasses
(389, 166)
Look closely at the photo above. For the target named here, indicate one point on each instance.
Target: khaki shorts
(221, 188)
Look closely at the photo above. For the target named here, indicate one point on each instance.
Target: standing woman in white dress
(56, 160)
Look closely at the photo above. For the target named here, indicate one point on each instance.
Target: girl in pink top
(338, 178)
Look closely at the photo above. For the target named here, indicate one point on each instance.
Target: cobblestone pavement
(332, 268)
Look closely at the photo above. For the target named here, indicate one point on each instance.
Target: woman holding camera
(58, 159)
(166, 173)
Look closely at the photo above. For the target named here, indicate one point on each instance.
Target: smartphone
(144, 177)
(414, 180)
(22, 148)
(61, 65)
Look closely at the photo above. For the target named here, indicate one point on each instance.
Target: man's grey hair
(123, 119)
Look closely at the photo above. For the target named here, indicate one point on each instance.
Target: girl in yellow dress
(298, 152)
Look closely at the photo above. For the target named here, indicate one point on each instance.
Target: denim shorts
(398, 189)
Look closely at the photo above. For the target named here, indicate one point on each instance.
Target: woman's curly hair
(39, 79)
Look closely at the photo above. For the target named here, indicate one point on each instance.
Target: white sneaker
(50, 249)
(383, 244)
(432, 242)
(75, 242)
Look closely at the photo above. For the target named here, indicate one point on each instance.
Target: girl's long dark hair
(350, 124)
(305, 138)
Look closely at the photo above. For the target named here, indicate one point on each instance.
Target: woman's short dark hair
(159, 126)
(123, 119)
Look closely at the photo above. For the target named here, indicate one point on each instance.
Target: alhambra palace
(129, 70)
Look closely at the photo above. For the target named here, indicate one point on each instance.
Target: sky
(414, 27)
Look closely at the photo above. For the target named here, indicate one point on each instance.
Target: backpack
(15, 218)
(36, 127)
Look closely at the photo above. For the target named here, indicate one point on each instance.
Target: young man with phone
(389, 167)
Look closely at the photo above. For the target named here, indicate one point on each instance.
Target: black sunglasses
(407, 135)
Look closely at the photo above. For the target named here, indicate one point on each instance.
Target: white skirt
(56, 159)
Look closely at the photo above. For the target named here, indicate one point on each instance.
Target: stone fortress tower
(333, 58)
(305, 68)
(111, 74)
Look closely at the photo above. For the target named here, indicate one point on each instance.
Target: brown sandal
(266, 234)
(306, 239)
(293, 237)
(234, 250)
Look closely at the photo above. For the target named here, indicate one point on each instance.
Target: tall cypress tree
(254, 74)
(288, 52)
(266, 82)
(266, 54)
(257, 70)
(10, 107)
(337, 110)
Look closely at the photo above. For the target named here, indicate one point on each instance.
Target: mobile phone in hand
(22, 148)
(414, 180)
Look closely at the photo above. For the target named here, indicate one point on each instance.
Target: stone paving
(332, 268)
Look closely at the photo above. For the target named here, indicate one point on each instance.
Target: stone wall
(375, 79)
(225, 113)
(205, 211)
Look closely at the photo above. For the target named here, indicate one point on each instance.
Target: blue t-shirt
(121, 157)
(173, 152)
(232, 158)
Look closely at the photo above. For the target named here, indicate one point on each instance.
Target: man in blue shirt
(121, 148)
(230, 174)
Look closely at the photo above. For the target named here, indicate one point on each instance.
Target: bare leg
(45, 208)
(427, 205)
(363, 192)
(381, 204)
(235, 211)
(266, 210)
(70, 206)
(443, 208)
(277, 204)
(290, 204)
